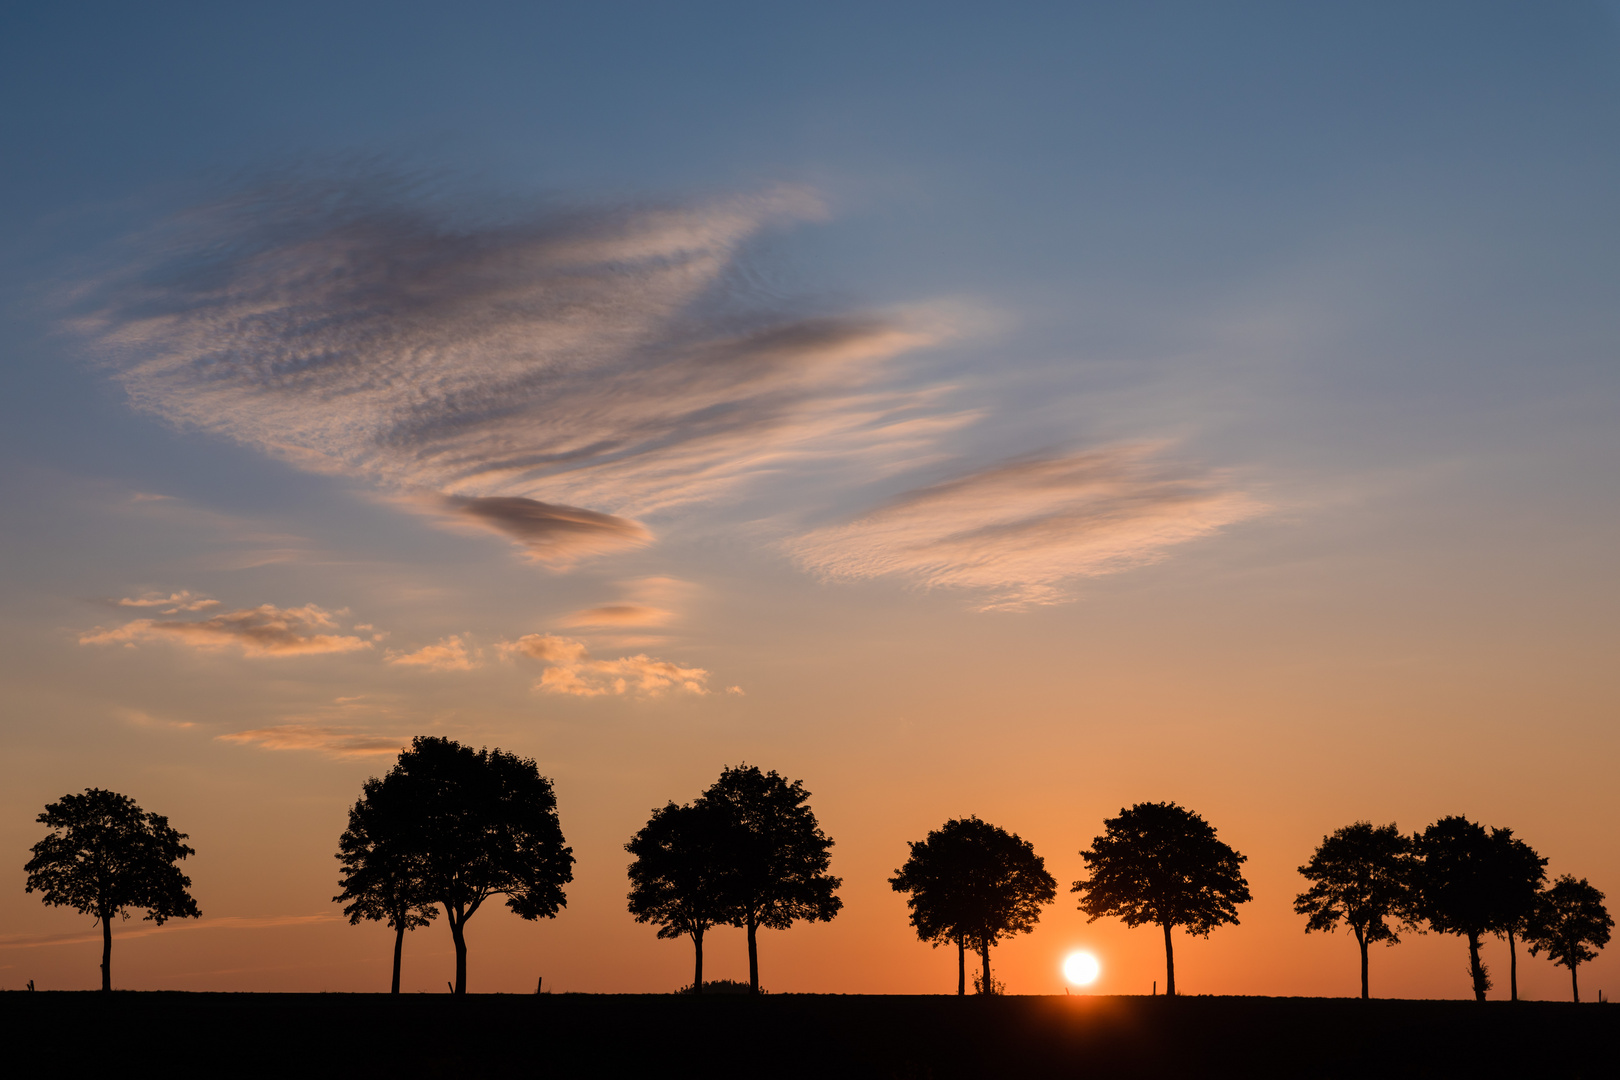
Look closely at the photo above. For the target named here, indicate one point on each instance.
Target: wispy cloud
(334, 741)
(569, 669)
(519, 369)
(265, 630)
(145, 929)
(619, 615)
(1018, 532)
(173, 604)
(449, 654)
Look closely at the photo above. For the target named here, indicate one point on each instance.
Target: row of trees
(1456, 877)
(451, 827)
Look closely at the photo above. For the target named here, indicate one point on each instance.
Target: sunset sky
(1013, 410)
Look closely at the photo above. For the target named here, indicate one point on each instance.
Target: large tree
(482, 823)
(970, 881)
(105, 855)
(1461, 886)
(775, 855)
(676, 880)
(1161, 863)
(1516, 877)
(1569, 924)
(1361, 876)
(382, 874)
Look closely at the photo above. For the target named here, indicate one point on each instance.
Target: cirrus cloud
(262, 631)
(1018, 532)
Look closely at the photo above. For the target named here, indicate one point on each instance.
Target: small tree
(676, 878)
(1570, 924)
(1458, 886)
(382, 876)
(1516, 876)
(481, 823)
(1161, 863)
(971, 881)
(775, 855)
(105, 855)
(1361, 875)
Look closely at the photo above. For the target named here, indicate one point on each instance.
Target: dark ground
(790, 1035)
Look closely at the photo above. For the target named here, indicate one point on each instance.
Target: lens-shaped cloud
(262, 631)
(569, 669)
(523, 368)
(1018, 532)
(334, 741)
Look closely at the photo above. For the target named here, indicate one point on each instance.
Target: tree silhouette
(1456, 887)
(676, 880)
(1569, 924)
(1515, 881)
(775, 855)
(104, 855)
(1161, 863)
(1361, 875)
(382, 876)
(481, 823)
(971, 881)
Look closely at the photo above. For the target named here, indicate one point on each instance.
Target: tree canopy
(776, 856)
(1569, 924)
(383, 875)
(1516, 876)
(677, 879)
(970, 881)
(1161, 863)
(1463, 885)
(481, 823)
(1361, 875)
(105, 855)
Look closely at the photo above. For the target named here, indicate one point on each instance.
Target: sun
(1081, 968)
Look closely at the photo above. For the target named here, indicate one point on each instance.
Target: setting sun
(1081, 968)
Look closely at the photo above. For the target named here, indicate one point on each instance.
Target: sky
(1013, 410)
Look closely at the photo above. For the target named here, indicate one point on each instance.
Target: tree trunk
(961, 966)
(1513, 968)
(697, 966)
(106, 952)
(458, 932)
(399, 949)
(1169, 964)
(1476, 969)
(1361, 939)
(753, 956)
(984, 955)
(1575, 985)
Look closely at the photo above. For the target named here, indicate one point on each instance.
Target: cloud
(556, 536)
(450, 654)
(570, 670)
(1019, 531)
(173, 604)
(334, 741)
(262, 631)
(619, 615)
(611, 358)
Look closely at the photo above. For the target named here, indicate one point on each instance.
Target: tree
(105, 855)
(676, 880)
(1516, 876)
(971, 881)
(1569, 924)
(1161, 863)
(1456, 892)
(775, 855)
(382, 877)
(481, 823)
(1361, 875)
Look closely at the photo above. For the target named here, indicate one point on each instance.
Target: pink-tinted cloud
(569, 669)
(1019, 532)
(333, 741)
(620, 615)
(555, 536)
(262, 631)
(449, 654)
(173, 604)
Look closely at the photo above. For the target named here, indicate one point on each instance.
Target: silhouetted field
(821, 1036)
